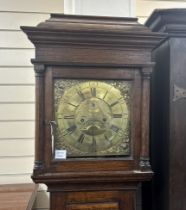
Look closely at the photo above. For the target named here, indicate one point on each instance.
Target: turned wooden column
(39, 113)
(144, 156)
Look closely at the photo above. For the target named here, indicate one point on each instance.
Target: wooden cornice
(93, 31)
(170, 21)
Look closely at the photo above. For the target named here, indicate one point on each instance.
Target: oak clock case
(92, 110)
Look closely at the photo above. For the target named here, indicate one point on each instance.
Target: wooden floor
(17, 196)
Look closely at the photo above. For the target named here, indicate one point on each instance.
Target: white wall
(121, 8)
(17, 99)
(145, 7)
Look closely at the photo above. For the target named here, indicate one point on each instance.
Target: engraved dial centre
(93, 116)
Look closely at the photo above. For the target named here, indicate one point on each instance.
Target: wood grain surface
(17, 196)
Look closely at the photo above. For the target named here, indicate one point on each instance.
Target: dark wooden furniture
(92, 48)
(17, 196)
(169, 111)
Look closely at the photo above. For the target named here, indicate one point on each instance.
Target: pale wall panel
(13, 57)
(15, 178)
(17, 89)
(42, 200)
(17, 130)
(17, 94)
(16, 165)
(142, 20)
(14, 39)
(32, 6)
(42, 187)
(121, 8)
(16, 148)
(17, 75)
(145, 8)
(17, 112)
(13, 20)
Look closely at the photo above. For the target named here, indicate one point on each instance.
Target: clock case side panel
(159, 126)
(177, 123)
(89, 164)
(39, 162)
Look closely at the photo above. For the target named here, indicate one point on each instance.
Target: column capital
(39, 69)
(146, 72)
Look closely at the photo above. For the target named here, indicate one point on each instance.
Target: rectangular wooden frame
(125, 73)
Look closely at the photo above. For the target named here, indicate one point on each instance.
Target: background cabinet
(168, 129)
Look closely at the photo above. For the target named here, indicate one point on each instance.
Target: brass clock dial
(92, 117)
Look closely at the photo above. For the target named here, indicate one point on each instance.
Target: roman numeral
(105, 95)
(114, 103)
(106, 138)
(93, 92)
(81, 95)
(94, 144)
(117, 115)
(114, 128)
(69, 117)
(71, 129)
(81, 138)
(73, 105)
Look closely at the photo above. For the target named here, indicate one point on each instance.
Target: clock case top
(94, 48)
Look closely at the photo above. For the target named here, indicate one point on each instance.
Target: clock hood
(102, 31)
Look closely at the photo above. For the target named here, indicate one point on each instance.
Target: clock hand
(93, 144)
(81, 138)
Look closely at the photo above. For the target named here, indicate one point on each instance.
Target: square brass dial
(92, 117)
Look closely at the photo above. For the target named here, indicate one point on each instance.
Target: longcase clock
(92, 110)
